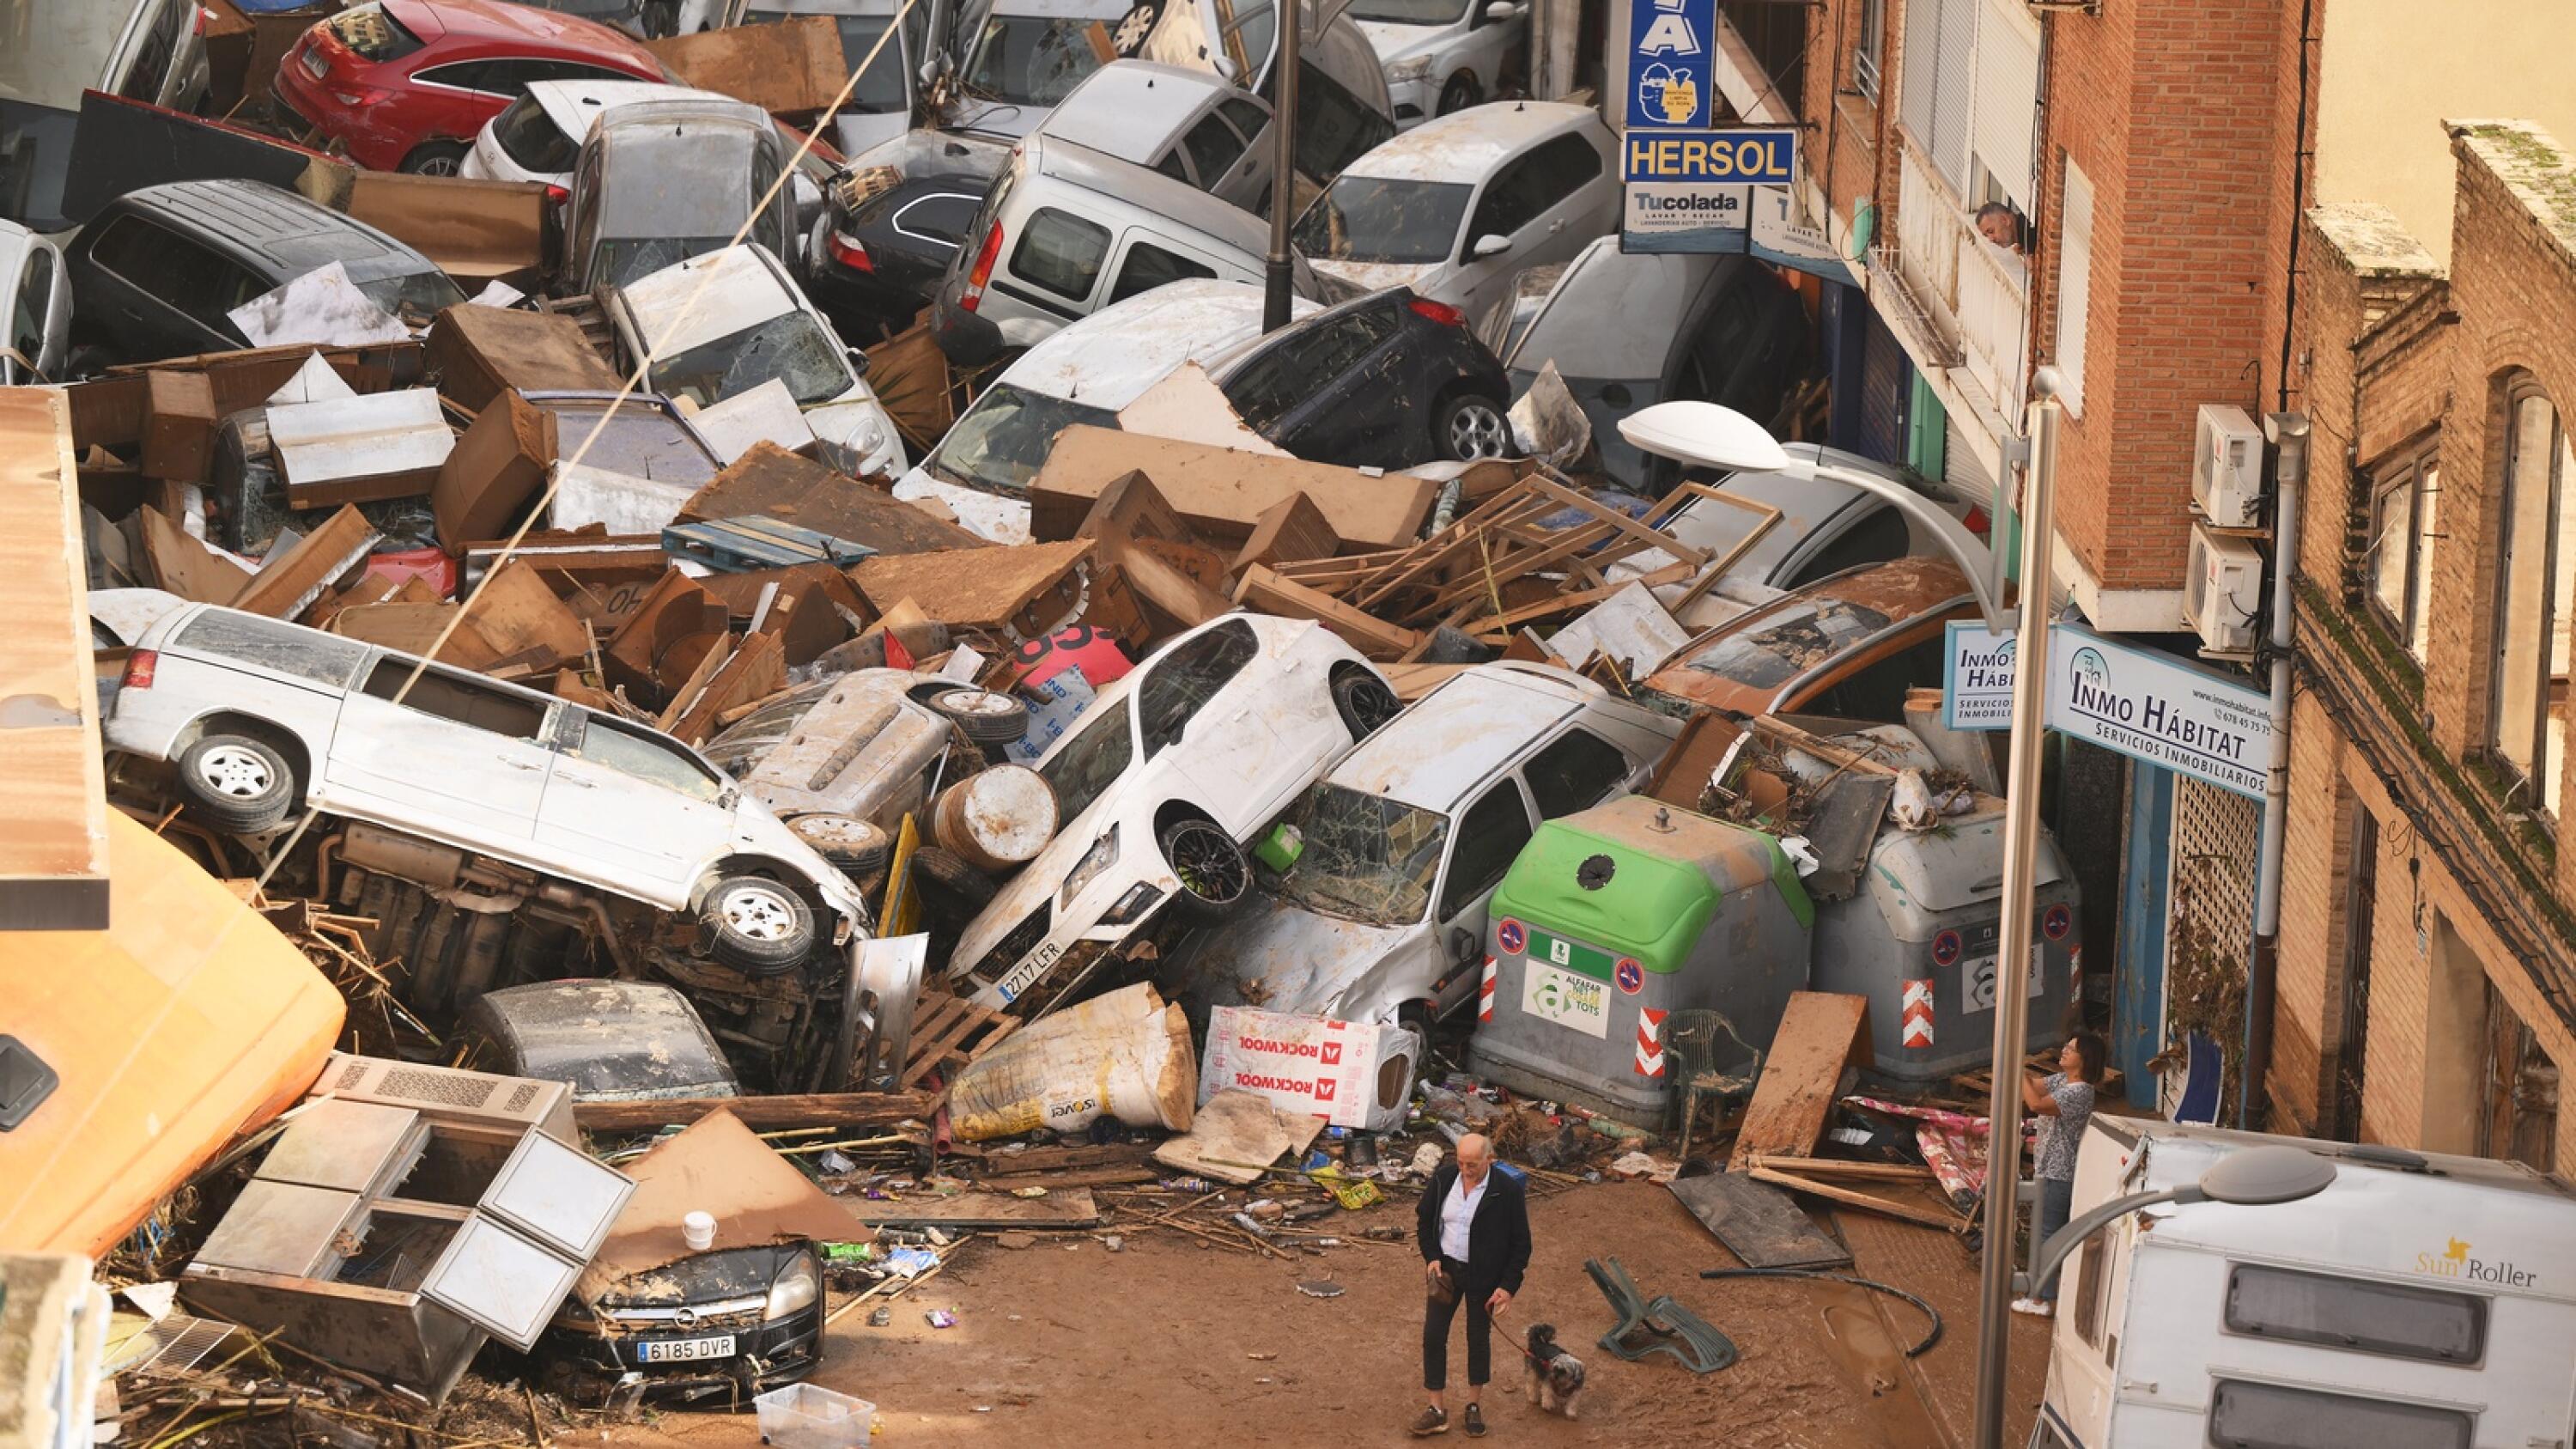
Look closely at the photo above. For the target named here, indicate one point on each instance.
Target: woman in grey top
(2063, 1102)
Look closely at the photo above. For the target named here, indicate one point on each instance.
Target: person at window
(2063, 1101)
(2001, 225)
(1473, 1227)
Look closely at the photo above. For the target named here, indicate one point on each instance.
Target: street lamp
(1716, 436)
(2253, 1177)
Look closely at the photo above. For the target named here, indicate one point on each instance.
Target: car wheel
(237, 783)
(986, 717)
(949, 885)
(855, 845)
(435, 158)
(1461, 92)
(1215, 874)
(1472, 427)
(757, 926)
(1364, 702)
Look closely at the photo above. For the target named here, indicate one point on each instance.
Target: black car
(881, 259)
(158, 269)
(1389, 381)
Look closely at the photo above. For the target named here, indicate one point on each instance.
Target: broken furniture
(1662, 1326)
(405, 1213)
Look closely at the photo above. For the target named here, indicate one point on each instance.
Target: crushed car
(1160, 782)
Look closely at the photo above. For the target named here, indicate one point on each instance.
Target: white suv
(1160, 783)
(262, 717)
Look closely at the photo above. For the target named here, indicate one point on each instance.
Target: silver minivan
(261, 718)
(1066, 231)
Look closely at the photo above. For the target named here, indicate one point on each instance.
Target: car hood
(1376, 276)
(1283, 957)
(1394, 42)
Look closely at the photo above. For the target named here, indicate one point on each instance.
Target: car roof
(1807, 503)
(1156, 331)
(636, 120)
(571, 36)
(1129, 108)
(1468, 145)
(1176, 204)
(743, 288)
(1435, 754)
(1585, 321)
(573, 104)
(297, 235)
(1899, 592)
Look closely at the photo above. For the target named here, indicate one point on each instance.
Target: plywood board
(1222, 492)
(794, 66)
(1819, 1035)
(53, 818)
(176, 560)
(1072, 1208)
(289, 585)
(1757, 1222)
(517, 612)
(768, 481)
(472, 229)
(972, 588)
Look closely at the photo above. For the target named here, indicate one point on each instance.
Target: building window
(2405, 499)
(2538, 575)
(1872, 48)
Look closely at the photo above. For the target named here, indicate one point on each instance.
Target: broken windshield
(1366, 858)
(789, 347)
(1378, 219)
(998, 446)
(1033, 60)
(1091, 761)
(1801, 636)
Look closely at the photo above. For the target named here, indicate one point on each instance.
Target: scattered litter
(1319, 1288)
(940, 1318)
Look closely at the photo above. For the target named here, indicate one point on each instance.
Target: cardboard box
(1221, 492)
(359, 449)
(475, 230)
(793, 67)
(478, 353)
(768, 481)
(495, 468)
(178, 426)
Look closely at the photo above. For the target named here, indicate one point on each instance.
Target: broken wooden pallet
(950, 1032)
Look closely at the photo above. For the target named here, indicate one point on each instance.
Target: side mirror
(729, 799)
(1503, 10)
(1225, 66)
(858, 361)
(1462, 945)
(1490, 245)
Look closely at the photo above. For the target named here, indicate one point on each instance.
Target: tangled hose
(1930, 1312)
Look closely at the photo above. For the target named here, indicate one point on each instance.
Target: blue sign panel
(1671, 50)
(1756, 156)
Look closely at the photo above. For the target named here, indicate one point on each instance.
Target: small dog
(1552, 1377)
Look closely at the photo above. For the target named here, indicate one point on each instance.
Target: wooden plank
(790, 68)
(1837, 1167)
(53, 826)
(1819, 1035)
(1072, 1208)
(1850, 1197)
(761, 1114)
(1289, 530)
(1757, 1222)
(289, 585)
(1267, 593)
(176, 560)
(1804, 743)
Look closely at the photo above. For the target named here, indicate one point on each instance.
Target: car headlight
(1139, 899)
(1094, 863)
(795, 1289)
(1416, 69)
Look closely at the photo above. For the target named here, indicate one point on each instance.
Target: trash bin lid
(1641, 878)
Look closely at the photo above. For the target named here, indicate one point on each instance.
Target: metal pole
(2289, 432)
(1283, 170)
(2021, 857)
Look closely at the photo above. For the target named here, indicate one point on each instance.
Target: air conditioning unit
(2223, 594)
(448, 1094)
(2226, 466)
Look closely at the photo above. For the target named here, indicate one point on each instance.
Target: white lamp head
(2259, 1176)
(1705, 433)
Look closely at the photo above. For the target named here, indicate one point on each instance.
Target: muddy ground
(1171, 1343)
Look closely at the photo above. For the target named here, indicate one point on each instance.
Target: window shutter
(2074, 282)
(2007, 92)
(1919, 75)
(1951, 91)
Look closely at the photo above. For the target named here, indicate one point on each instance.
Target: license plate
(315, 66)
(1026, 974)
(685, 1350)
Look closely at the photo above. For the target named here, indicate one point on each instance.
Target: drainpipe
(2289, 433)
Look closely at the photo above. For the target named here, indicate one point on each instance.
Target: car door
(1341, 404)
(1488, 837)
(1148, 259)
(1248, 184)
(1538, 202)
(39, 317)
(143, 268)
(1218, 153)
(459, 757)
(645, 812)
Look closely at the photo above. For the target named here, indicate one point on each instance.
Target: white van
(2419, 1302)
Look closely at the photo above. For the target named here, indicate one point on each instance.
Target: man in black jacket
(1473, 1225)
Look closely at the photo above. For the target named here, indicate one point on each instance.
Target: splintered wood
(1819, 1035)
(1477, 574)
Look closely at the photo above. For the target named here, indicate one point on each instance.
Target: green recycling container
(1612, 920)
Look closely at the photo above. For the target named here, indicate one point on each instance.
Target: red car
(406, 84)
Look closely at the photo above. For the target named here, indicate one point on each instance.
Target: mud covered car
(1160, 782)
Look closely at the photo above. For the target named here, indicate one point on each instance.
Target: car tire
(986, 717)
(435, 158)
(1461, 92)
(237, 783)
(1471, 426)
(856, 846)
(757, 926)
(1215, 874)
(1364, 702)
(949, 884)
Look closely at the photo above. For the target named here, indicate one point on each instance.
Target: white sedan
(1457, 205)
(1441, 55)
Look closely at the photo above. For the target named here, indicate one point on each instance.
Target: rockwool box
(1351, 1074)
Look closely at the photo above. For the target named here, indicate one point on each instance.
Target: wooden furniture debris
(290, 584)
(1292, 530)
(1809, 1179)
(948, 1033)
(175, 560)
(792, 68)
(756, 670)
(53, 829)
(1266, 592)
(479, 353)
(761, 1114)
(661, 644)
(1820, 1034)
(179, 421)
(768, 481)
(517, 612)
(1029, 590)
(1223, 492)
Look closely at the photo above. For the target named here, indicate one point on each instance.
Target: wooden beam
(53, 824)
(1268, 593)
(1819, 1034)
(1850, 1197)
(761, 1114)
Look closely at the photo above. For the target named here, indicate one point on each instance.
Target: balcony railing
(1974, 296)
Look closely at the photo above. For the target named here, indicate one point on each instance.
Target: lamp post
(1279, 272)
(2250, 1177)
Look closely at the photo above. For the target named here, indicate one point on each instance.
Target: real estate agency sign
(2145, 704)
(1689, 181)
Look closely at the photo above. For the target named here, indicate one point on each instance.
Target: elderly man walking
(1473, 1225)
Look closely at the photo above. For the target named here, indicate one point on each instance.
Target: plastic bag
(1124, 1055)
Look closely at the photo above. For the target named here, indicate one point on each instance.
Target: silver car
(261, 717)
